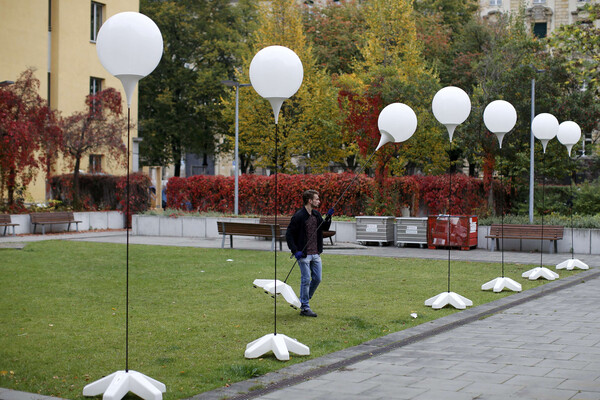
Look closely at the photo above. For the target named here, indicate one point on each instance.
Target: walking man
(304, 238)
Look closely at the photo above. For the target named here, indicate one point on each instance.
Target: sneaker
(307, 312)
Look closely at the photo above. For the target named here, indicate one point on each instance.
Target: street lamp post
(237, 86)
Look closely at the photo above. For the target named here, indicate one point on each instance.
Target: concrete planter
(89, 221)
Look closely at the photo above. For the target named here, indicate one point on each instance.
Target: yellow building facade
(57, 39)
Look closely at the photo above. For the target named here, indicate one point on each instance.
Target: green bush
(587, 198)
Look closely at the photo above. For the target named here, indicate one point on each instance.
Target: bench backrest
(5, 219)
(56, 216)
(528, 231)
(282, 220)
(248, 228)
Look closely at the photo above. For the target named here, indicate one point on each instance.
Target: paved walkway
(540, 344)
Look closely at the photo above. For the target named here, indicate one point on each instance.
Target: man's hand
(330, 212)
(298, 255)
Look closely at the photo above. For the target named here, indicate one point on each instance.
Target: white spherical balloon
(569, 134)
(397, 122)
(129, 43)
(451, 106)
(500, 117)
(276, 72)
(544, 127)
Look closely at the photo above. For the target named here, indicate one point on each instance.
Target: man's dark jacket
(296, 235)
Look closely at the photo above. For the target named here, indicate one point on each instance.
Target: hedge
(362, 195)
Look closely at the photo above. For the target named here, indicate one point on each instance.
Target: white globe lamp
(397, 122)
(276, 74)
(568, 134)
(129, 46)
(500, 117)
(451, 107)
(544, 127)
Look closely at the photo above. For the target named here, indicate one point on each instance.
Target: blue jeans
(310, 277)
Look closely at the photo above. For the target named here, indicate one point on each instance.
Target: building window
(96, 20)
(539, 1)
(540, 29)
(495, 2)
(95, 164)
(95, 85)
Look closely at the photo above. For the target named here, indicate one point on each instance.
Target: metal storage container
(375, 229)
(463, 231)
(411, 230)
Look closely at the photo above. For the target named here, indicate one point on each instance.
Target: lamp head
(500, 117)
(129, 46)
(544, 127)
(276, 74)
(397, 122)
(569, 134)
(451, 106)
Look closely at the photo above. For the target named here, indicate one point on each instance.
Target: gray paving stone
(585, 374)
(480, 390)
(535, 381)
(525, 371)
(443, 394)
(434, 383)
(536, 392)
(486, 377)
(577, 384)
(565, 364)
(586, 396)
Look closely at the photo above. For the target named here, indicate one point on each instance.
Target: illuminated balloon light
(276, 74)
(397, 123)
(568, 134)
(500, 117)
(451, 106)
(129, 46)
(544, 127)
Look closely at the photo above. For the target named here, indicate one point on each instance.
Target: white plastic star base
(540, 272)
(280, 344)
(116, 385)
(282, 288)
(448, 298)
(571, 264)
(501, 283)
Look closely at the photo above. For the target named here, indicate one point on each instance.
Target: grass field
(192, 312)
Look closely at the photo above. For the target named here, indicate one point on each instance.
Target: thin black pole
(334, 205)
(543, 206)
(275, 244)
(449, 202)
(502, 210)
(572, 162)
(127, 251)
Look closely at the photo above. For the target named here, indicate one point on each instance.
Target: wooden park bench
(553, 233)
(53, 218)
(6, 222)
(284, 220)
(249, 229)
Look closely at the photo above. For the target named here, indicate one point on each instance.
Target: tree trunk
(76, 200)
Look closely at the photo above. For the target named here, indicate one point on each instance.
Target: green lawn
(192, 312)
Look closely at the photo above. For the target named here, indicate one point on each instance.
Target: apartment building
(58, 39)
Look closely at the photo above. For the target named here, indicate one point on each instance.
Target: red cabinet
(463, 231)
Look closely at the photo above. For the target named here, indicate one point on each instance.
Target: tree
(393, 70)
(26, 122)
(99, 128)
(335, 33)
(179, 101)
(308, 129)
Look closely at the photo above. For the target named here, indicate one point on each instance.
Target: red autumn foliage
(99, 128)
(364, 196)
(26, 122)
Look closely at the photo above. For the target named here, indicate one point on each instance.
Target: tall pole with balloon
(500, 118)
(569, 134)
(545, 128)
(276, 74)
(451, 107)
(129, 46)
